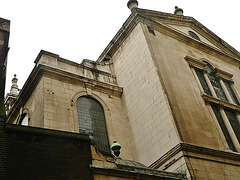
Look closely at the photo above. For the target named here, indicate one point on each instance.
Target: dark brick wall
(35, 153)
(3, 153)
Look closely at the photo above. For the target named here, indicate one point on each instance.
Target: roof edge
(43, 52)
(134, 18)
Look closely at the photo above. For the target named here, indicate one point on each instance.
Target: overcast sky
(81, 29)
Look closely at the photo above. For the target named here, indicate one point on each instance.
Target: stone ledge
(185, 147)
(130, 173)
(116, 90)
(195, 62)
(69, 62)
(47, 132)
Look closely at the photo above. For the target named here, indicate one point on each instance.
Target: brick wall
(3, 153)
(35, 153)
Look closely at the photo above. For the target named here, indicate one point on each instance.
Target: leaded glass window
(91, 120)
(203, 81)
(231, 92)
(234, 122)
(216, 84)
(223, 127)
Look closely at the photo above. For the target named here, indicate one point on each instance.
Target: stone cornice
(195, 62)
(138, 15)
(42, 52)
(85, 67)
(66, 61)
(168, 155)
(121, 35)
(187, 148)
(96, 85)
(223, 74)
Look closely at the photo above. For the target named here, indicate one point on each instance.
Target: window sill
(210, 99)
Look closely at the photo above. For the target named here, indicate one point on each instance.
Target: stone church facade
(166, 88)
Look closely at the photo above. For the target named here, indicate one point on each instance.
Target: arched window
(24, 120)
(91, 120)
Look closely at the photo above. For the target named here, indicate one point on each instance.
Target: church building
(166, 88)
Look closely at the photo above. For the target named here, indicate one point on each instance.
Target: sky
(81, 29)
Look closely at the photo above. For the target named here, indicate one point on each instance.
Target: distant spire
(132, 4)
(14, 87)
(178, 11)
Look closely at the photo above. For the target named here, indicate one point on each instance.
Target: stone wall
(212, 169)
(60, 111)
(192, 115)
(145, 101)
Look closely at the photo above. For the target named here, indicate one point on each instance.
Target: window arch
(91, 120)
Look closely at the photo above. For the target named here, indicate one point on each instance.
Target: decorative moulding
(210, 99)
(223, 74)
(200, 64)
(96, 85)
(195, 62)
